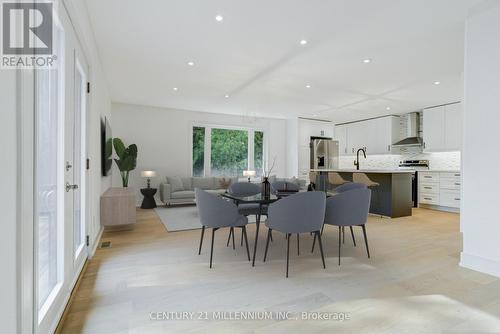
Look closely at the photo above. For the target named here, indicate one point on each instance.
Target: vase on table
(266, 188)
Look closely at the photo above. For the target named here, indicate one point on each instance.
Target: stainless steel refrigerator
(324, 153)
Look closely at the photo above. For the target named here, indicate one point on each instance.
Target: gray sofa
(180, 190)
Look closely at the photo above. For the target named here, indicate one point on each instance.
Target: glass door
(48, 186)
(79, 160)
(60, 176)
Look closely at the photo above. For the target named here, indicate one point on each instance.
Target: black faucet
(356, 162)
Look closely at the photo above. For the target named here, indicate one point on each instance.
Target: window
(198, 150)
(230, 151)
(258, 155)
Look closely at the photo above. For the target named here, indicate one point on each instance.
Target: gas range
(417, 165)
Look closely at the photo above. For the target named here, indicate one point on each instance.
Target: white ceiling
(254, 55)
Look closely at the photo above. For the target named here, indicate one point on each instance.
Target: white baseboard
(95, 242)
(481, 264)
(439, 208)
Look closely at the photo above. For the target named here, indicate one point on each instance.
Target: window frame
(207, 162)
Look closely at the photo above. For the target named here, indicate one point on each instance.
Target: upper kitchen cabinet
(340, 134)
(453, 127)
(375, 135)
(443, 128)
(311, 128)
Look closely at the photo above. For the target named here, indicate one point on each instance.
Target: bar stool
(363, 178)
(335, 179)
(312, 179)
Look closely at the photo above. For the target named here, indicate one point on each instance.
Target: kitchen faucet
(356, 162)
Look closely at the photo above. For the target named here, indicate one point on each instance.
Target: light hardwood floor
(412, 283)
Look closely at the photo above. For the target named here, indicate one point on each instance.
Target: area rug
(182, 217)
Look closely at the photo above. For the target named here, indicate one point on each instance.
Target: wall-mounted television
(106, 147)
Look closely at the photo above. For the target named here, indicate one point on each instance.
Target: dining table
(262, 201)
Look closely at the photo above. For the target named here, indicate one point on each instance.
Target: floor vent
(105, 244)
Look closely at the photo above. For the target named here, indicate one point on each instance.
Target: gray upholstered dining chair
(349, 208)
(340, 189)
(298, 213)
(216, 212)
(283, 186)
(246, 209)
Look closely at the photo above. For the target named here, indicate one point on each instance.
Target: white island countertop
(378, 171)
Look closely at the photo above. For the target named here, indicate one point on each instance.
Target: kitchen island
(393, 196)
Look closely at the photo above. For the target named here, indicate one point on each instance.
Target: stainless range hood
(410, 130)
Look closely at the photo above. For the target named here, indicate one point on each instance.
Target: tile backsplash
(438, 160)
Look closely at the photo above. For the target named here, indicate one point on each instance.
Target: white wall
(8, 203)
(292, 144)
(163, 137)
(480, 220)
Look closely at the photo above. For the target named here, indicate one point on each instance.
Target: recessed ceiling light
(437, 82)
(175, 89)
(387, 108)
(315, 115)
(226, 96)
(190, 63)
(303, 42)
(219, 18)
(367, 60)
(308, 86)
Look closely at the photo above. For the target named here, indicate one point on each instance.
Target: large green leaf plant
(127, 159)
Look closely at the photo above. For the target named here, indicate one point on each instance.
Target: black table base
(149, 200)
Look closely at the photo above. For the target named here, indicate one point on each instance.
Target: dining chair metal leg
(201, 239)
(271, 235)
(298, 245)
(314, 242)
(352, 235)
(287, 252)
(233, 238)
(244, 234)
(343, 234)
(231, 230)
(322, 228)
(340, 241)
(321, 249)
(241, 241)
(212, 248)
(267, 244)
(366, 240)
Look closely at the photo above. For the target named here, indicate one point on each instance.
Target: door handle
(71, 187)
(68, 166)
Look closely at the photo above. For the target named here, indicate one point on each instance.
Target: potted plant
(127, 159)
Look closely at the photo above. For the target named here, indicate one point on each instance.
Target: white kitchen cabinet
(434, 129)
(439, 190)
(443, 128)
(376, 135)
(311, 128)
(356, 136)
(383, 132)
(340, 134)
(453, 127)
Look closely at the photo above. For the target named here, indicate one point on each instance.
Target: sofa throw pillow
(175, 183)
(203, 182)
(186, 183)
(224, 183)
